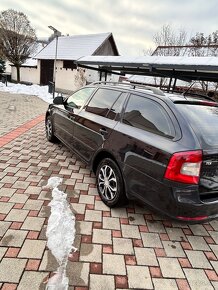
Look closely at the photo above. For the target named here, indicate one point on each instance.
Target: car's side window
(149, 115)
(79, 98)
(117, 107)
(102, 101)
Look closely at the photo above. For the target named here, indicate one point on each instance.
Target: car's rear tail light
(184, 167)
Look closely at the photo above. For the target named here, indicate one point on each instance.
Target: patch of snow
(60, 234)
(34, 90)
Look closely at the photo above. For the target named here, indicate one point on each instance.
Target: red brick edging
(5, 139)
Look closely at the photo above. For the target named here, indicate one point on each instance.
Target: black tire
(49, 130)
(110, 184)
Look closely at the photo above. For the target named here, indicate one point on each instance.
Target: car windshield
(204, 121)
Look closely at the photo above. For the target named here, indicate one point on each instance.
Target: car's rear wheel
(110, 183)
(49, 130)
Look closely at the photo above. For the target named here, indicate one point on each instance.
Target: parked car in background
(161, 149)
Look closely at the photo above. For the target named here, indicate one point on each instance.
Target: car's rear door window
(102, 101)
(146, 114)
(203, 119)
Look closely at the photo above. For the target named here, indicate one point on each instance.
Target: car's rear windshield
(203, 119)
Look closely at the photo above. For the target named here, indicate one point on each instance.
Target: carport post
(169, 86)
(100, 75)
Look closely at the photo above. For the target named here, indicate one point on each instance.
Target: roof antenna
(188, 89)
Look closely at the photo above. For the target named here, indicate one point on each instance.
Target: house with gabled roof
(39, 68)
(70, 49)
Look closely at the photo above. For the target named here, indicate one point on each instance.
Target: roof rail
(132, 86)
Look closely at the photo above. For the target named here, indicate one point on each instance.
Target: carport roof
(180, 67)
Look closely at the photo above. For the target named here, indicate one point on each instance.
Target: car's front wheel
(110, 183)
(49, 130)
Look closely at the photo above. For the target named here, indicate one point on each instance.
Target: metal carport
(173, 67)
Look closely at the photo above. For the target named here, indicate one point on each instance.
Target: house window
(69, 64)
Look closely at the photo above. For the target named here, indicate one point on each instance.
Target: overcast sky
(133, 22)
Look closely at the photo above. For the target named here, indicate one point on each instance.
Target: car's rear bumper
(189, 207)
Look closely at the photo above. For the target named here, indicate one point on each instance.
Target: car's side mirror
(58, 100)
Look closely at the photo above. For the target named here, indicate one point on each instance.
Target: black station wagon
(141, 143)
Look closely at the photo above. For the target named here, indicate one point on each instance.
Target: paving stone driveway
(125, 248)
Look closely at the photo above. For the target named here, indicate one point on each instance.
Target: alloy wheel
(107, 182)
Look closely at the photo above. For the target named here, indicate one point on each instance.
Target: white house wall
(27, 74)
(68, 79)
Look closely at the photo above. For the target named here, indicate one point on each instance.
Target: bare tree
(167, 36)
(17, 37)
(80, 78)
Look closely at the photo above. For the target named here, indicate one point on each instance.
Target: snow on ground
(34, 90)
(60, 234)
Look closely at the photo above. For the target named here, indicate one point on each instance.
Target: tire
(110, 183)
(49, 130)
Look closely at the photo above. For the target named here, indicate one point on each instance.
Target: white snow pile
(34, 90)
(60, 234)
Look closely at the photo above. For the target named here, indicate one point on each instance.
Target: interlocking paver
(17, 215)
(173, 249)
(151, 240)
(130, 242)
(84, 227)
(144, 282)
(119, 212)
(214, 235)
(32, 204)
(214, 248)
(101, 282)
(114, 264)
(214, 224)
(146, 257)
(11, 269)
(18, 198)
(14, 238)
(2, 252)
(198, 243)
(32, 249)
(93, 215)
(33, 223)
(111, 223)
(197, 279)
(102, 236)
(198, 230)
(32, 280)
(78, 273)
(160, 284)
(136, 219)
(119, 248)
(155, 227)
(5, 207)
(198, 259)
(48, 262)
(130, 231)
(4, 227)
(91, 253)
(170, 268)
(215, 265)
(7, 191)
(176, 234)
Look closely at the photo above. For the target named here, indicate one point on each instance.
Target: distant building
(186, 50)
(69, 49)
(39, 68)
(183, 51)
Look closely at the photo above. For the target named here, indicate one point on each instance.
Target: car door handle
(103, 131)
